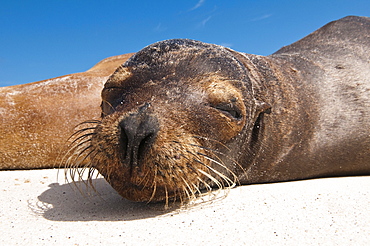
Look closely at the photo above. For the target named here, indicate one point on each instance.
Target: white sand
(36, 210)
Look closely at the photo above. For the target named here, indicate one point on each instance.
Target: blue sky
(41, 39)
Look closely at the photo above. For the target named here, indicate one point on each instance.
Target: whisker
(229, 182)
(76, 158)
(219, 185)
(153, 193)
(154, 185)
(144, 178)
(82, 137)
(90, 179)
(73, 150)
(211, 140)
(166, 192)
(223, 166)
(81, 172)
(223, 154)
(181, 197)
(84, 157)
(196, 187)
(210, 191)
(81, 132)
(189, 189)
(79, 150)
(186, 192)
(208, 187)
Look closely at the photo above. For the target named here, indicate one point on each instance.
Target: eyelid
(112, 96)
(230, 109)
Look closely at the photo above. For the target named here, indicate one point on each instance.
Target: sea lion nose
(138, 132)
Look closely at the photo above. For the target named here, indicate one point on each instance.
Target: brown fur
(36, 119)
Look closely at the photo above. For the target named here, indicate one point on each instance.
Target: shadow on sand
(78, 202)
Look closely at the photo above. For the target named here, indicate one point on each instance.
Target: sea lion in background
(182, 116)
(36, 119)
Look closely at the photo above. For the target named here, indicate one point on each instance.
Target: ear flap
(262, 107)
(258, 127)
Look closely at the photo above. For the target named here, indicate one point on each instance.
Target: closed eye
(229, 109)
(111, 97)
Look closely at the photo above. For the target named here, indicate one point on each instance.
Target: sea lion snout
(137, 134)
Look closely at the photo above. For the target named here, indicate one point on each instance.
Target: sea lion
(37, 118)
(182, 116)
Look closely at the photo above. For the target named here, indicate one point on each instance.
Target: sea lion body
(36, 119)
(182, 116)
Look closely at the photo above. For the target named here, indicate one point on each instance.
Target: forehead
(128, 82)
(174, 67)
(184, 59)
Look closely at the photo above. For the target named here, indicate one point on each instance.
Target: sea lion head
(176, 119)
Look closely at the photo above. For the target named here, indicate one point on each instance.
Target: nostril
(145, 145)
(138, 132)
(123, 142)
